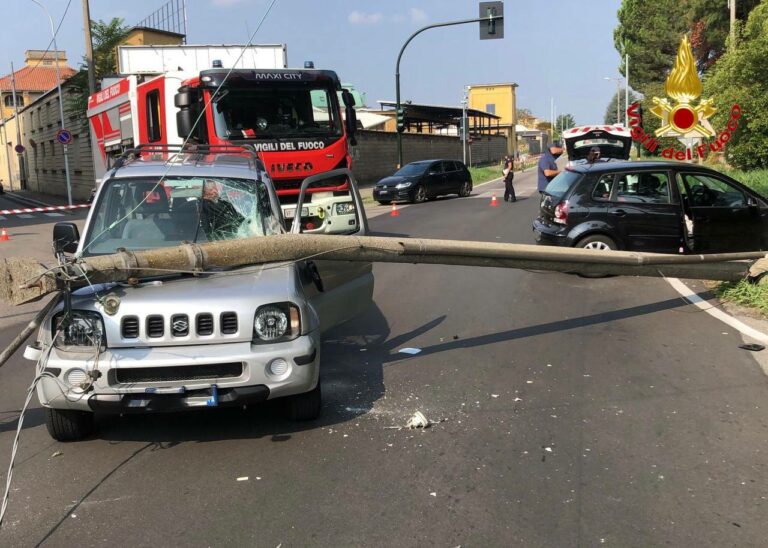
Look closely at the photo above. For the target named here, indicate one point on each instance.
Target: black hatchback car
(424, 180)
(662, 207)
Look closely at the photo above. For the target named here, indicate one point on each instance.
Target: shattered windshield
(144, 214)
(271, 112)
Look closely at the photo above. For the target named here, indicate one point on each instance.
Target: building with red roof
(37, 77)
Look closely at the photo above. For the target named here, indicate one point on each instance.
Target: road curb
(25, 201)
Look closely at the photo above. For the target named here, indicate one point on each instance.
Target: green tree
(610, 111)
(650, 33)
(564, 121)
(106, 37)
(709, 23)
(739, 77)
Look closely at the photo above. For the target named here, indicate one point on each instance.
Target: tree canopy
(610, 111)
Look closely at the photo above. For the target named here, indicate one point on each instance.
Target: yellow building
(145, 36)
(498, 99)
(36, 77)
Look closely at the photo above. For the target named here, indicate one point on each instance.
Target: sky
(561, 49)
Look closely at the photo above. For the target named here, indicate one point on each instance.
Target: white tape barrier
(41, 209)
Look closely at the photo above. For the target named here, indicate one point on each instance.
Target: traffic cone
(4, 236)
(494, 202)
(394, 212)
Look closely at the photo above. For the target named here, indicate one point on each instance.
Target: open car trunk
(614, 142)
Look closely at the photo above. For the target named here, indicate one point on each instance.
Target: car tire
(69, 424)
(597, 242)
(385, 202)
(465, 189)
(306, 406)
(419, 194)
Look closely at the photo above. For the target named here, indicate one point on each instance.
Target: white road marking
(715, 312)
(25, 216)
(53, 214)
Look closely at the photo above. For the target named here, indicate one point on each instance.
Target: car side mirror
(337, 212)
(350, 116)
(66, 237)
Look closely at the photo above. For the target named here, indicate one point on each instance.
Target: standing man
(548, 164)
(509, 175)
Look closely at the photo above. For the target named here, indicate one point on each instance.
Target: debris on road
(752, 347)
(411, 351)
(57, 454)
(433, 494)
(418, 420)
(242, 478)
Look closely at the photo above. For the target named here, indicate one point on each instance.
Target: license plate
(384, 192)
(290, 213)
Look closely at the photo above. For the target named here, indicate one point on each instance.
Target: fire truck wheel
(306, 406)
(68, 425)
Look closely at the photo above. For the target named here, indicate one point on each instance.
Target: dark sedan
(424, 180)
(664, 207)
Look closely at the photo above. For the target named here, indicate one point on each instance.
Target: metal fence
(170, 17)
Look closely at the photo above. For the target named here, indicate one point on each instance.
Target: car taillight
(561, 213)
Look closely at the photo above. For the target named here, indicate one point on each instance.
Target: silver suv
(193, 339)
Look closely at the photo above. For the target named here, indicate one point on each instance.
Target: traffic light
(490, 30)
(400, 121)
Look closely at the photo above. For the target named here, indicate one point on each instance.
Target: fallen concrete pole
(24, 280)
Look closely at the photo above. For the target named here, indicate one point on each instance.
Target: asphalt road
(569, 412)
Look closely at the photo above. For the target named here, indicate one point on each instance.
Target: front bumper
(550, 234)
(164, 379)
(392, 194)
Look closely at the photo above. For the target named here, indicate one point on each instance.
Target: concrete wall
(376, 151)
(43, 155)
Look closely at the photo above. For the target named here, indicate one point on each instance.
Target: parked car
(613, 142)
(182, 341)
(420, 181)
(656, 206)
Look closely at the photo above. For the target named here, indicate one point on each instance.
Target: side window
(643, 188)
(708, 191)
(153, 116)
(449, 167)
(602, 192)
(436, 168)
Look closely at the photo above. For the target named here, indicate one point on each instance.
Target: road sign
(64, 136)
(491, 29)
(19, 149)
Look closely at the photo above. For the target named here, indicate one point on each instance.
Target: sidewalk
(26, 198)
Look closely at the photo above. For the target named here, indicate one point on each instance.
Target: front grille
(204, 324)
(179, 325)
(130, 327)
(155, 326)
(229, 323)
(180, 373)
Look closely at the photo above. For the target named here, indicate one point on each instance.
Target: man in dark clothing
(509, 175)
(547, 169)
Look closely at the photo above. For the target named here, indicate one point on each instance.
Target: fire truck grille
(181, 373)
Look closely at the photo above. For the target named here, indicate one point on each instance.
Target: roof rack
(200, 150)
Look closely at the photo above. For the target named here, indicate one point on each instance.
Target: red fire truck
(273, 110)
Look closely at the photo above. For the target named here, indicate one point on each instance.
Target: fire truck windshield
(271, 112)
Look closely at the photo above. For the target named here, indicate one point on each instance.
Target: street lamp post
(618, 96)
(626, 90)
(61, 98)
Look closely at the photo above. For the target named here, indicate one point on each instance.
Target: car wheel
(465, 189)
(419, 194)
(306, 406)
(597, 242)
(68, 424)
(385, 202)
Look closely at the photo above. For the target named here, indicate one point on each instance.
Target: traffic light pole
(398, 107)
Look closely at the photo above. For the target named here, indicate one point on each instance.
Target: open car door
(339, 290)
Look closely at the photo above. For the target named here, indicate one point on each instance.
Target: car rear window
(560, 185)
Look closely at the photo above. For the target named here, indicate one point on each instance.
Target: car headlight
(345, 208)
(276, 322)
(82, 329)
(403, 185)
